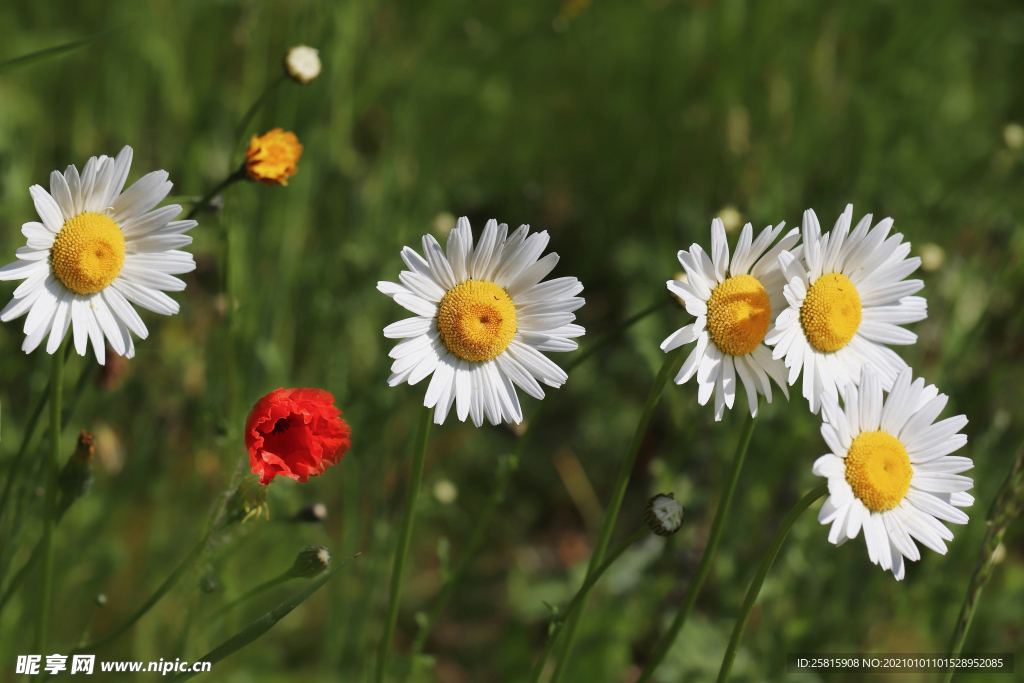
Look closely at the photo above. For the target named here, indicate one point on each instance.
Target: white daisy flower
(846, 296)
(735, 303)
(890, 471)
(96, 250)
(482, 319)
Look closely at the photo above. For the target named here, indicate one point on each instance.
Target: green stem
(619, 492)
(26, 438)
(578, 599)
(265, 586)
(50, 510)
(239, 174)
(166, 586)
(762, 571)
(596, 345)
(257, 628)
(254, 109)
(707, 557)
(498, 494)
(1007, 505)
(472, 546)
(404, 536)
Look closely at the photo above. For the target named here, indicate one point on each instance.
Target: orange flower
(271, 157)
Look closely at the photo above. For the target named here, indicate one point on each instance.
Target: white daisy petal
(146, 193)
(47, 208)
(61, 193)
(719, 249)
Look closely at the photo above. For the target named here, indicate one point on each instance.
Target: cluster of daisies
(827, 307)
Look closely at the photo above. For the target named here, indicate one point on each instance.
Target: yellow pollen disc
(477, 320)
(88, 253)
(831, 312)
(738, 315)
(878, 469)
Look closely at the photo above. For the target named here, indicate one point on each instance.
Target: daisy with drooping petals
(847, 298)
(483, 317)
(890, 471)
(97, 249)
(735, 303)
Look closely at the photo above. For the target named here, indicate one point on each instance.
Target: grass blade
(56, 51)
(261, 625)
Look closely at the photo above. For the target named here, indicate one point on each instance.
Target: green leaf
(261, 625)
(56, 51)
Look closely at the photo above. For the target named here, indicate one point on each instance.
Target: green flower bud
(311, 561)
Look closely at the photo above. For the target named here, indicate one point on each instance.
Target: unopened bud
(302, 63)
(311, 561)
(314, 513)
(249, 500)
(664, 514)
(75, 477)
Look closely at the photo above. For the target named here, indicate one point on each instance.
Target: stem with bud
(707, 557)
(672, 359)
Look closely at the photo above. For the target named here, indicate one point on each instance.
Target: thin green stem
(404, 536)
(166, 586)
(265, 586)
(239, 174)
(50, 509)
(257, 105)
(504, 475)
(578, 599)
(762, 571)
(1007, 505)
(257, 628)
(26, 438)
(472, 546)
(596, 345)
(618, 493)
(708, 556)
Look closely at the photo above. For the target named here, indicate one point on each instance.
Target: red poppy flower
(296, 433)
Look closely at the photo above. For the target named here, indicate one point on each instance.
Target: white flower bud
(302, 63)
(664, 514)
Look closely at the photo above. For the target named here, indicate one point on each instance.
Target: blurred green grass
(622, 129)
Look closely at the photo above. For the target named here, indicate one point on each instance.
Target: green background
(622, 128)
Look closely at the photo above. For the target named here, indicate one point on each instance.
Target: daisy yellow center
(831, 312)
(738, 315)
(88, 253)
(477, 320)
(878, 470)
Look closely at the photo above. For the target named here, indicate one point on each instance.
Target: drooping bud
(75, 477)
(664, 514)
(302, 63)
(311, 561)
